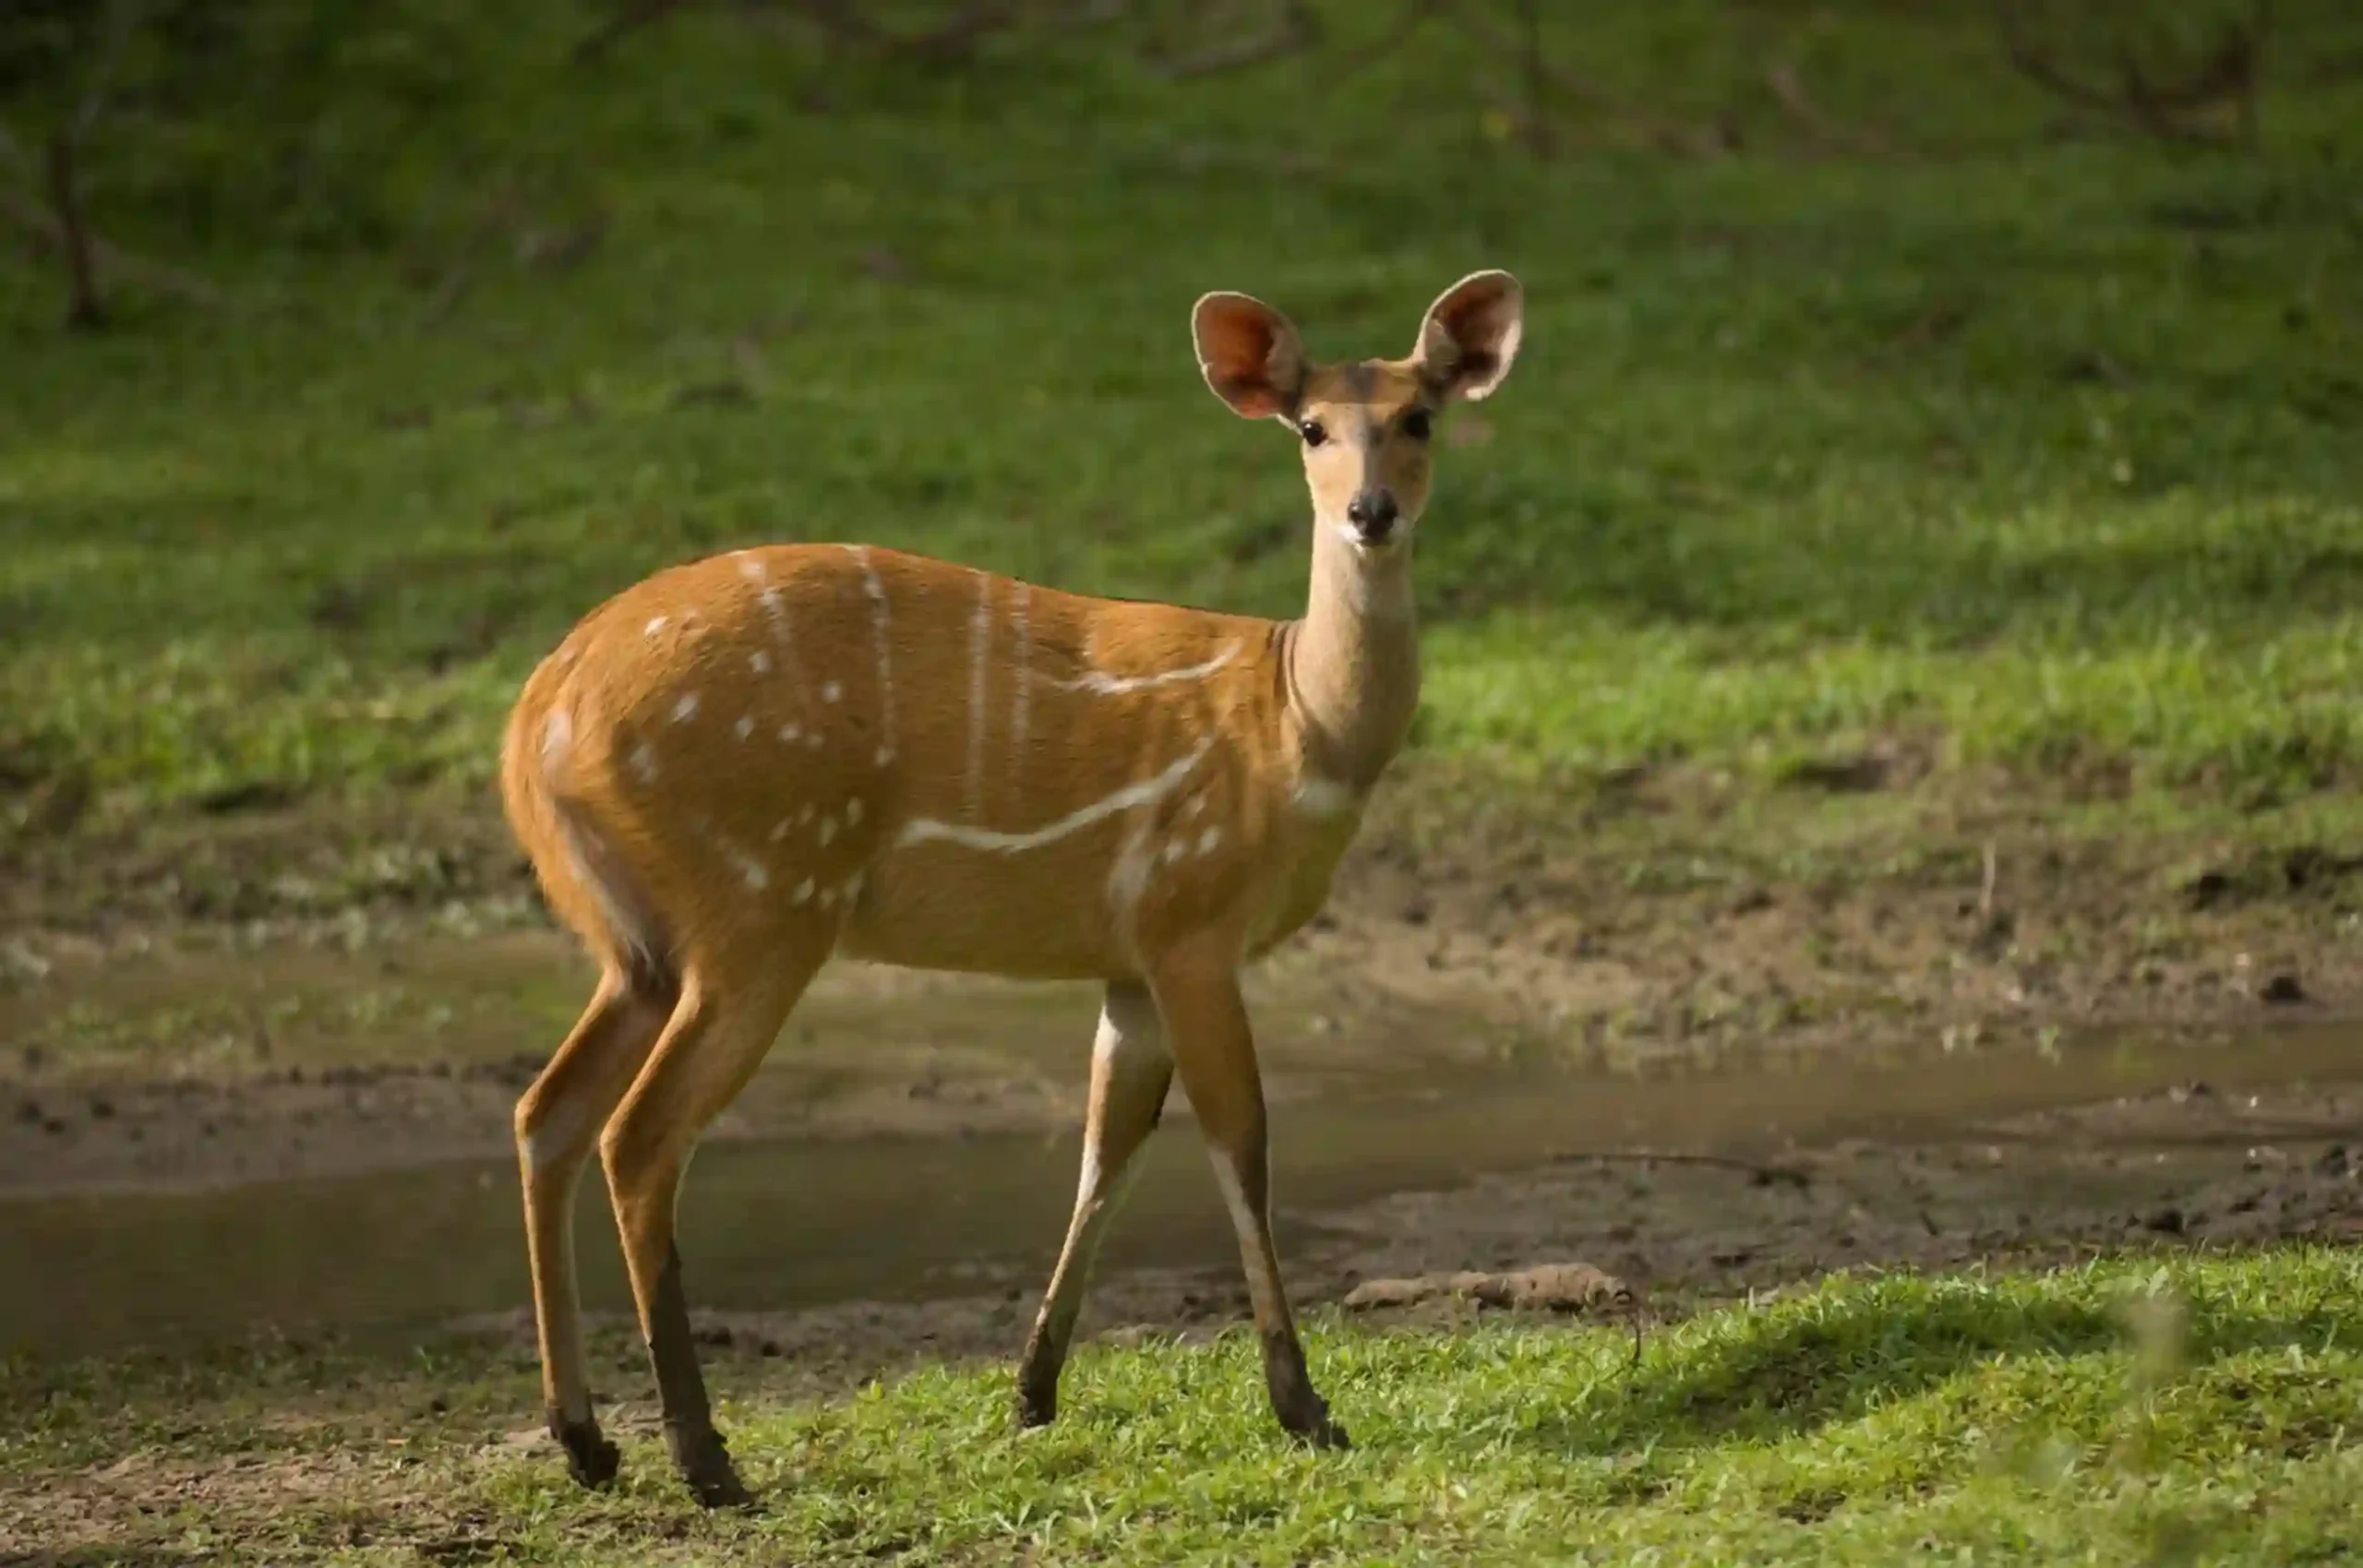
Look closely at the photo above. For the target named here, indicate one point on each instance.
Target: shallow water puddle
(779, 1222)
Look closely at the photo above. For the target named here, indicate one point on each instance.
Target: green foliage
(2200, 1410)
(2036, 452)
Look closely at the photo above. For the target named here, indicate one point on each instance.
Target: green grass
(2040, 451)
(2189, 1411)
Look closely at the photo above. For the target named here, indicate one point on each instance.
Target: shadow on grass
(1846, 1359)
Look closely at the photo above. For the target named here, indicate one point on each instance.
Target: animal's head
(1366, 425)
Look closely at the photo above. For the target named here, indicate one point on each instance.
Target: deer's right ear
(1249, 355)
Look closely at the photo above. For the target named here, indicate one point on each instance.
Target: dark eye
(1314, 432)
(1415, 424)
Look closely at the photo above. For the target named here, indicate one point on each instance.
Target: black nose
(1373, 513)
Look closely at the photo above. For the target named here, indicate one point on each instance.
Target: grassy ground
(2015, 469)
(2013, 448)
(2194, 1411)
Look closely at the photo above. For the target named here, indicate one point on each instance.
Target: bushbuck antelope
(744, 764)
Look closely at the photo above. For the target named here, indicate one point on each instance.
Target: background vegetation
(1882, 395)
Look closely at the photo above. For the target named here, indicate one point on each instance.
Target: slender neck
(1353, 661)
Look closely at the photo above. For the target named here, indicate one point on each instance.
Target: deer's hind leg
(558, 1120)
(730, 1010)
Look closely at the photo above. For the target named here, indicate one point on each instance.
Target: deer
(741, 766)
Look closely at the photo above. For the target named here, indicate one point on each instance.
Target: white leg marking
(920, 830)
(981, 640)
(881, 616)
(686, 709)
(1106, 684)
(1250, 1226)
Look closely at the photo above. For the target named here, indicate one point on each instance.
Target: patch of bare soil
(2187, 1167)
(1647, 915)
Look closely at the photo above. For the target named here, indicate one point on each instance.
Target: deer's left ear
(1470, 335)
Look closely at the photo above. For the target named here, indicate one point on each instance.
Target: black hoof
(1038, 1402)
(704, 1463)
(591, 1459)
(1324, 1433)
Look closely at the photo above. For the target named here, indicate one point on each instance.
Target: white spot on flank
(853, 888)
(751, 567)
(804, 813)
(1207, 840)
(686, 708)
(885, 755)
(920, 830)
(1196, 804)
(745, 726)
(656, 624)
(1323, 798)
(557, 730)
(643, 764)
(853, 810)
(779, 830)
(828, 897)
(831, 692)
(756, 874)
(1174, 850)
(760, 662)
(803, 894)
(1102, 682)
(828, 829)
(812, 740)
(788, 733)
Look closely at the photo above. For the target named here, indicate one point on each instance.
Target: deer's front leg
(1214, 1049)
(1129, 1073)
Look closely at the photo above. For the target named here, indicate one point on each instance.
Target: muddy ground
(290, 999)
(287, 996)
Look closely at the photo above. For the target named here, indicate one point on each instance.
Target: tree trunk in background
(86, 304)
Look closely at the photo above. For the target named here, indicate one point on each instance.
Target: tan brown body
(743, 766)
(1070, 779)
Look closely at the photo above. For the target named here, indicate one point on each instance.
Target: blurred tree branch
(53, 208)
(2173, 109)
(848, 21)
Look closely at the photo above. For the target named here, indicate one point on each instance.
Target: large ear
(1249, 355)
(1470, 335)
